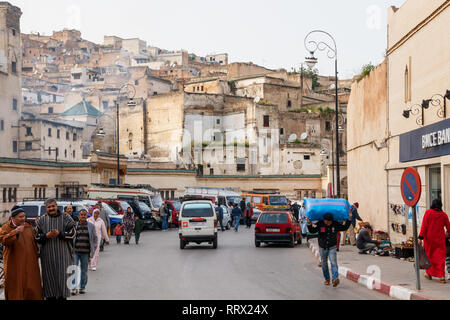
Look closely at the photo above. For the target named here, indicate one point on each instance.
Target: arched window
(130, 141)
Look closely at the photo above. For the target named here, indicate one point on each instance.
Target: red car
(175, 206)
(277, 227)
(119, 206)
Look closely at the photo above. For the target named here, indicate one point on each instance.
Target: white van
(198, 223)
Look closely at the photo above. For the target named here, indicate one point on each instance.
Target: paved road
(158, 270)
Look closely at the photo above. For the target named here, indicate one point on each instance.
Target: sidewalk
(397, 277)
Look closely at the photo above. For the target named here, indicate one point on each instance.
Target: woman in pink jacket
(100, 229)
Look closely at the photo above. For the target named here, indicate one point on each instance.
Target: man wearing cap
(20, 252)
(328, 230)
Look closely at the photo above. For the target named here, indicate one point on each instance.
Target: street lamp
(129, 91)
(312, 46)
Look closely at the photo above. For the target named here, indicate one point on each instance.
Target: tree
(365, 71)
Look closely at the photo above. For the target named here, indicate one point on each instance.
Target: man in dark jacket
(365, 242)
(236, 214)
(296, 209)
(243, 207)
(219, 211)
(328, 230)
(351, 230)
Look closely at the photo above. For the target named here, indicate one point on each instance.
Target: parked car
(277, 227)
(198, 223)
(114, 217)
(256, 214)
(36, 209)
(143, 211)
(175, 207)
(120, 206)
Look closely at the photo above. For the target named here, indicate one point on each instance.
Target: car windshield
(177, 205)
(30, 211)
(273, 218)
(192, 210)
(156, 201)
(125, 206)
(110, 211)
(144, 208)
(115, 206)
(234, 199)
(278, 201)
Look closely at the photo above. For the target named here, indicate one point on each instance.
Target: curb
(370, 283)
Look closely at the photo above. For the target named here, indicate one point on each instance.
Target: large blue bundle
(316, 209)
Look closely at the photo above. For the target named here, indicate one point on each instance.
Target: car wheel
(257, 243)
(292, 243)
(182, 244)
(215, 243)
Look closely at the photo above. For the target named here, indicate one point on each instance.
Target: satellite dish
(332, 86)
(292, 137)
(257, 100)
(304, 136)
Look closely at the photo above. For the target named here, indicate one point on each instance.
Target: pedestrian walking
(105, 217)
(69, 210)
(296, 209)
(20, 259)
(55, 233)
(100, 230)
(243, 207)
(249, 215)
(303, 222)
(236, 214)
(163, 213)
(365, 242)
(118, 232)
(138, 227)
(85, 245)
(128, 223)
(328, 230)
(351, 230)
(432, 235)
(219, 212)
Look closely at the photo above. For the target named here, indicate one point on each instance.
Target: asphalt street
(157, 269)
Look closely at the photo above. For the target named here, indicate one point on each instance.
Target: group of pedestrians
(63, 243)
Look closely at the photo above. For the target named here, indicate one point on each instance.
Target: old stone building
(10, 73)
(392, 113)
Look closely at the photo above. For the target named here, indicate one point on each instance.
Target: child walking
(118, 232)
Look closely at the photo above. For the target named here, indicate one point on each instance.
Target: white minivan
(197, 223)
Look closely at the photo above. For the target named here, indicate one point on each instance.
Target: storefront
(428, 150)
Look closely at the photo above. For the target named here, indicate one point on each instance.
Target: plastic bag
(316, 209)
(424, 262)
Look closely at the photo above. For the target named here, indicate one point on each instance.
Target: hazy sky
(269, 33)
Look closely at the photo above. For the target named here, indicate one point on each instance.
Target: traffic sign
(411, 187)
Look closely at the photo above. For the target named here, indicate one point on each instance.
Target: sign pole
(416, 248)
(411, 187)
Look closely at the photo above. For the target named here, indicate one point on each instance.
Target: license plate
(273, 230)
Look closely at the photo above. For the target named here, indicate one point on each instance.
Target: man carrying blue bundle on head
(328, 229)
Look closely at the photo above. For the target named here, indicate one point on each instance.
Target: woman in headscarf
(128, 223)
(100, 230)
(432, 235)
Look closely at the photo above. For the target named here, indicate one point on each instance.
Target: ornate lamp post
(312, 46)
